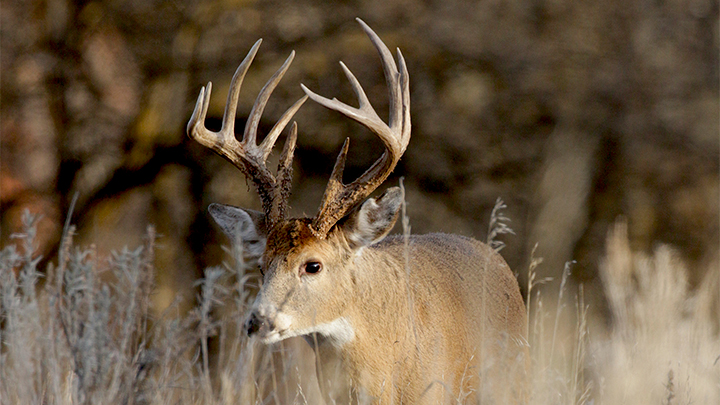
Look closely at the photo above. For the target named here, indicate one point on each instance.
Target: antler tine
(403, 122)
(390, 70)
(196, 126)
(339, 198)
(250, 134)
(247, 155)
(267, 144)
(228, 123)
(284, 175)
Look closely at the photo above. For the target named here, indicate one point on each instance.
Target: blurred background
(575, 113)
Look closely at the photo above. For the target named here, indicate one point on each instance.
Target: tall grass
(85, 334)
(663, 346)
(83, 331)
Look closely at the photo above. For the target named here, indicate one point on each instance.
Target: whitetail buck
(420, 319)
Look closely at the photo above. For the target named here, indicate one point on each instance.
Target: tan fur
(428, 332)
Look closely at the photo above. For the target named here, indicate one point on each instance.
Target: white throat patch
(338, 332)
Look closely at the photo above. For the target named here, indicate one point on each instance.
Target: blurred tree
(574, 112)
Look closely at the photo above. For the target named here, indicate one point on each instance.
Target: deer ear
(242, 226)
(374, 219)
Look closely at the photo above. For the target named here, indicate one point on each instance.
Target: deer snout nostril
(253, 324)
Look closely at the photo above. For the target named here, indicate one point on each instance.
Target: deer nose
(253, 324)
(258, 321)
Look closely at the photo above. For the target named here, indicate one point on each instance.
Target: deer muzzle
(256, 322)
(253, 324)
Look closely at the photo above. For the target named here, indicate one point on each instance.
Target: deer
(435, 318)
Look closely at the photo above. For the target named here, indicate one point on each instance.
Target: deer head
(307, 262)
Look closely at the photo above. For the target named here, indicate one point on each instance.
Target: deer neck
(360, 364)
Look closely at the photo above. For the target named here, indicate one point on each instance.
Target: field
(82, 331)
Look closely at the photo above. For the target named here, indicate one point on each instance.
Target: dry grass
(84, 334)
(663, 347)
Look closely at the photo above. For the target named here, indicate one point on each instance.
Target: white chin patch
(338, 332)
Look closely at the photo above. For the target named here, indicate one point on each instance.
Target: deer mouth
(271, 337)
(268, 334)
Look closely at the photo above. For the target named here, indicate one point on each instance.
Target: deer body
(432, 311)
(401, 319)
(385, 329)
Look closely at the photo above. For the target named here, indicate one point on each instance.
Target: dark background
(576, 113)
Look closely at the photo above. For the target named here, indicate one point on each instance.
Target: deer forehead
(287, 236)
(292, 239)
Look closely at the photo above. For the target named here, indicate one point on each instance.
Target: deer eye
(310, 267)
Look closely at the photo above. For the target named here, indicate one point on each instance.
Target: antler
(340, 198)
(249, 157)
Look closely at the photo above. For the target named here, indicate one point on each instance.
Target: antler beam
(340, 198)
(247, 155)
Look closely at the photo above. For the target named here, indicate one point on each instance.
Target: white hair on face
(338, 332)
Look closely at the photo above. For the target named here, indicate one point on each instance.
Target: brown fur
(288, 235)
